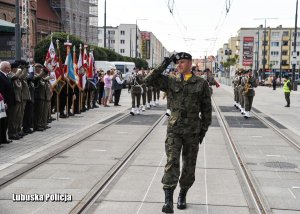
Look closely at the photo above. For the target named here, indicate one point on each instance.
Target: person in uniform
(15, 111)
(235, 83)
(240, 92)
(28, 112)
(287, 87)
(191, 111)
(136, 93)
(39, 98)
(249, 84)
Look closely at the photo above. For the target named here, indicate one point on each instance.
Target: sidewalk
(60, 130)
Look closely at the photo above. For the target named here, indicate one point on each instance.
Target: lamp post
(136, 37)
(105, 24)
(294, 52)
(18, 32)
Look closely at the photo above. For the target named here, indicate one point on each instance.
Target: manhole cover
(281, 165)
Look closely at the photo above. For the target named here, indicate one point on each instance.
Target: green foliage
(99, 53)
(139, 63)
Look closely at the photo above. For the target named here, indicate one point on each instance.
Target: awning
(6, 26)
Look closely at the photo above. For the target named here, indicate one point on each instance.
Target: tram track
(260, 205)
(257, 195)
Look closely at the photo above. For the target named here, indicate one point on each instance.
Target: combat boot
(168, 206)
(181, 203)
(132, 111)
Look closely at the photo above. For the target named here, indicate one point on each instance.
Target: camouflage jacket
(187, 101)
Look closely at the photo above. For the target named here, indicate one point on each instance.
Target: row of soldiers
(244, 84)
(34, 99)
(150, 95)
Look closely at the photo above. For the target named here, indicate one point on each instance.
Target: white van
(124, 67)
(104, 65)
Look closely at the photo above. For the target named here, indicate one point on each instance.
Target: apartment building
(128, 40)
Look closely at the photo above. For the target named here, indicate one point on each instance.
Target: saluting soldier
(28, 112)
(47, 103)
(39, 98)
(249, 93)
(189, 100)
(15, 111)
(25, 96)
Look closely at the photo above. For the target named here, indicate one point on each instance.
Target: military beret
(14, 64)
(182, 55)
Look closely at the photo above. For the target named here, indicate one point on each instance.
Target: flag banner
(58, 85)
(90, 71)
(70, 68)
(51, 64)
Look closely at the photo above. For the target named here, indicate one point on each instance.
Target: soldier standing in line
(47, 103)
(249, 93)
(39, 98)
(28, 112)
(143, 75)
(136, 93)
(240, 92)
(15, 111)
(190, 105)
(25, 96)
(235, 82)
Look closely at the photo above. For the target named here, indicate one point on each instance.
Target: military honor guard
(249, 84)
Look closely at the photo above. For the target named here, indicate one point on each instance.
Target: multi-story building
(128, 40)
(79, 17)
(28, 16)
(272, 52)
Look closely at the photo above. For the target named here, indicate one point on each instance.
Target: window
(112, 32)
(122, 32)
(285, 43)
(297, 44)
(284, 53)
(265, 43)
(284, 62)
(122, 41)
(275, 44)
(274, 53)
(122, 50)
(298, 53)
(100, 31)
(3, 16)
(112, 41)
(285, 33)
(274, 63)
(275, 34)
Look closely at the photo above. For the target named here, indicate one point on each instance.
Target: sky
(198, 27)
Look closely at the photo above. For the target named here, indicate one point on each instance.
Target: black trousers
(3, 129)
(28, 115)
(117, 93)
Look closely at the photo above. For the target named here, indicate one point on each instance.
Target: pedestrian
(117, 86)
(2, 118)
(107, 87)
(287, 87)
(274, 82)
(189, 100)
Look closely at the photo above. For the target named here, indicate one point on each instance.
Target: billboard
(248, 43)
(145, 45)
(7, 47)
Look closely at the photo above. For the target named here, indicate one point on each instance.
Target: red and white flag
(51, 64)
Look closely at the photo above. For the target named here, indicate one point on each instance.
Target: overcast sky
(197, 26)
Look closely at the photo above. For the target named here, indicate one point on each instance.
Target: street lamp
(136, 36)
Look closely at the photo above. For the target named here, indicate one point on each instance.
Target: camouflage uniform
(187, 99)
(249, 94)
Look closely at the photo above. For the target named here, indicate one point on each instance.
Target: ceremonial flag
(81, 72)
(75, 66)
(70, 67)
(91, 71)
(51, 64)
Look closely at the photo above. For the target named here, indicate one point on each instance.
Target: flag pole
(68, 45)
(80, 80)
(57, 94)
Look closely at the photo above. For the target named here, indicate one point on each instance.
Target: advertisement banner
(248, 43)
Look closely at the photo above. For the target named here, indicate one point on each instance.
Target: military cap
(15, 64)
(182, 55)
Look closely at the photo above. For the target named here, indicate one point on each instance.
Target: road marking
(273, 155)
(150, 183)
(62, 178)
(122, 132)
(295, 187)
(99, 150)
(292, 193)
(257, 136)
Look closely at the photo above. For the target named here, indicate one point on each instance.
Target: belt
(185, 114)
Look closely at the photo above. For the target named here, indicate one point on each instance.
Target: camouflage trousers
(248, 100)
(174, 145)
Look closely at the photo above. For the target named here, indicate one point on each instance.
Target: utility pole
(264, 61)
(104, 23)
(295, 52)
(18, 32)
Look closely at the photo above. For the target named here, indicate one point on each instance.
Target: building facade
(128, 40)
